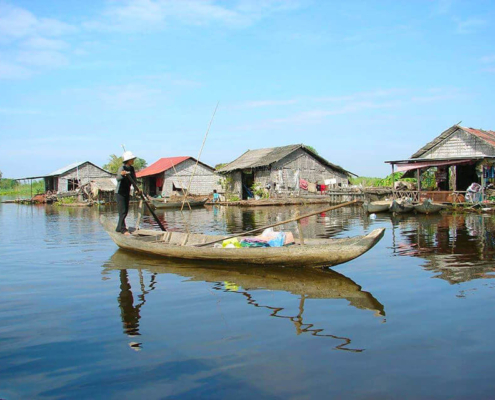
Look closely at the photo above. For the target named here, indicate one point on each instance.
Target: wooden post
(482, 187)
(393, 182)
(418, 178)
(454, 170)
(299, 228)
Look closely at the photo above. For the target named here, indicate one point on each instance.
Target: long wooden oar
(349, 203)
(134, 183)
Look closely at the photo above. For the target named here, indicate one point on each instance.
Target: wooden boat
(311, 283)
(159, 203)
(401, 207)
(376, 206)
(176, 245)
(428, 207)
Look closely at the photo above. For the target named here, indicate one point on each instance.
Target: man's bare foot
(127, 233)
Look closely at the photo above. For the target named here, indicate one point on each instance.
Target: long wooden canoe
(401, 207)
(176, 245)
(376, 206)
(428, 207)
(178, 204)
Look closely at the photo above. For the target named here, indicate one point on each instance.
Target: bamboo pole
(349, 203)
(181, 185)
(199, 156)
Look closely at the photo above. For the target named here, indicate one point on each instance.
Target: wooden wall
(84, 173)
(287, 172)
(203, 183)
(460, 144)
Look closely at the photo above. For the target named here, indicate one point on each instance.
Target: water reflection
(220, 220)
(306, 284)
(458, 247)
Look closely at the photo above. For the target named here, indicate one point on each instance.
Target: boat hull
(428, 208)
(177, 204)
(377, 206)
(175, 245)
(401, 208)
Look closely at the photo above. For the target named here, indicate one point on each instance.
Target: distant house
(72, 177)
(459, 156)
(283, 169)
(169, 176)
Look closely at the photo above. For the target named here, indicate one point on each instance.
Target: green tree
(1, 175)
(115, 162)
(312, 149)
(218, 166)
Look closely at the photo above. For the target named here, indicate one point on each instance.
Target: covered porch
(445, 180)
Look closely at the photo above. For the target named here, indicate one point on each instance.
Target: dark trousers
(123, 207)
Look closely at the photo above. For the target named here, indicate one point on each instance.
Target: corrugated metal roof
(487, 136)
(67, 168)
(268, 156)
(163, 164)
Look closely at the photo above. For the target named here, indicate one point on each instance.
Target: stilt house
(287, 170)
(169, 176)
(456, 158)
(71, 177)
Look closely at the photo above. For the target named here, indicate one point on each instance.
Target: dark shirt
(123, 182)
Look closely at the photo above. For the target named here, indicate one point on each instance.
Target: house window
(72, 184)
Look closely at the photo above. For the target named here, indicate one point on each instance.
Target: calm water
(412, 318)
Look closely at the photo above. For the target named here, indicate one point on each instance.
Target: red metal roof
(487, 136)
(163, 164)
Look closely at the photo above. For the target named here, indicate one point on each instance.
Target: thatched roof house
(281, 169)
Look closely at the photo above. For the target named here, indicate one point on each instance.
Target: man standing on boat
(123, 190)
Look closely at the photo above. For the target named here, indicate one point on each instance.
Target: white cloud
(317, 115)
(443, 6)
(155, 14)
(128, 96)
(17, 111)
(13, 71)
(470, 25)
(31, 42)
(267, 103)
(315, 110)
(42, 58)
(488, 59)
(41, 43)
(16, 22)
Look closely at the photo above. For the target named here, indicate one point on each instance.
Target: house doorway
(247, 179)
(466, 174)
(152, 185)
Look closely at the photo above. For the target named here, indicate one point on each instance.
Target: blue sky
(362, 82)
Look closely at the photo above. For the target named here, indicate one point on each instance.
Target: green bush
(67, 200)
(379, 182)
(12, 187)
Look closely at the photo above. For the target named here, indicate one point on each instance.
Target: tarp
(428, 164)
